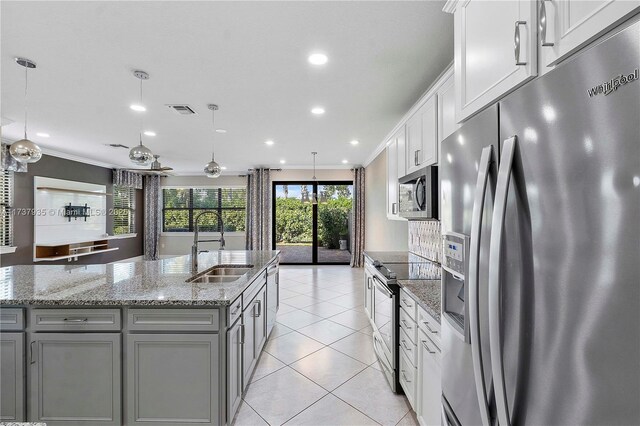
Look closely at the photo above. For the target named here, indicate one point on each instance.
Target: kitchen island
(148, 342)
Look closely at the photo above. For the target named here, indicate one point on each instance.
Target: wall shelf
(61, 251)
(74, 191)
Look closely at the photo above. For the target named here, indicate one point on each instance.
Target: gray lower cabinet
(234, 369)
(255, 333)
(75, 378)
(12, 406)
(173, 379)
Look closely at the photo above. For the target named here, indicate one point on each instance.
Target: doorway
(309, 233)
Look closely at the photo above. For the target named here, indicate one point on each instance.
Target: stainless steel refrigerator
(540, 216)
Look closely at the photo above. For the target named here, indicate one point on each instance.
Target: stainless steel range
(383, 308)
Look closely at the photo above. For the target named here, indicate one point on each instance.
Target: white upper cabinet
(422, 136)
(495, 46)
(447, 123)
(567, 25)
(395, 169)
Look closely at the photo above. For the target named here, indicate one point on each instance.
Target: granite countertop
(156, 282)
(426, 293)
(388, 256)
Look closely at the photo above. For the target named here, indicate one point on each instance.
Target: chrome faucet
(194, 247)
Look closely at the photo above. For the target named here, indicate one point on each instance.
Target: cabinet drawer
(408, 348)
(252, 290)
(173, 320)
(12, 319)
(234, 311)
(408, 325)
(429, 346)
(408, 380)
(408, 304)
(75, 319)
(429, 325)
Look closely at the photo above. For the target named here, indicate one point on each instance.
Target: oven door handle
(383, 288)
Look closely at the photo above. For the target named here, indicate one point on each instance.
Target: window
(182, 205)
(124, 209)
(6, 198)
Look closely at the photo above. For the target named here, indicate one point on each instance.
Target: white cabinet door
(429, 118)
(429, 387)
(392, 179)
(567, 25)
(446, 110)
(486, 66)
(401, 146)
(414, 142)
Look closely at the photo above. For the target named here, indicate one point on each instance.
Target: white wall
(307, 174)
(179, 244)
(380, 232)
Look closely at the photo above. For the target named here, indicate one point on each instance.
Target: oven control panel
(454, 248)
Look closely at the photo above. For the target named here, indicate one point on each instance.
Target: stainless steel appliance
(541, 201)
(418, 194)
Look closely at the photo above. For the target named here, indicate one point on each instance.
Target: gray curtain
(9, 163)
(126, 178)
(259, 210)
(152, 217)
(357, 236)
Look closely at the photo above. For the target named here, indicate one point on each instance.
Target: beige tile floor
(318, 367)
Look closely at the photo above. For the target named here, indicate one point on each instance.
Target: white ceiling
(248, 57)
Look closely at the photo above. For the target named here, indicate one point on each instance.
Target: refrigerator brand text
(613, 84)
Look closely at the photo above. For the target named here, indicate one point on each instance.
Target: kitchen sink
(221, 274)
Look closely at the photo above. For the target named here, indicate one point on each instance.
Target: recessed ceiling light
(282, 161)
(317, 110)
(149, 133)
(269, 142)
(354, 142)
(138, 107)
(318, 59)
(345, 161)
(43, 135)
(221, 131)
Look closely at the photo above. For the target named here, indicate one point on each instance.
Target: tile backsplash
(424, 239)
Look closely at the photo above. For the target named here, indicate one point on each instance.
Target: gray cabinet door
(272, 296)
(75, 378)
(260, 322)
(12, 377)
(172, 379)
(234, 369)
(248, 354)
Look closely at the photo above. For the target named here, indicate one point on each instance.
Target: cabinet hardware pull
(76, 319)
(426, 324)
(424, 343)
(516, 42)
(404, 345)
(33, 361)
(405, 377)
(542, 24)
(407, 304)
(394, 208)
(236, 310)
(406, 325)
(259, 304)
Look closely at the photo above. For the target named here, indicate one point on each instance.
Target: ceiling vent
(182, 109)
(117, 145)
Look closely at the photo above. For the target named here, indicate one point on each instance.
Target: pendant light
(140, 154)
(212, 169)
(24, 150)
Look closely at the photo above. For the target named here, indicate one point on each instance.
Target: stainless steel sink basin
(214, 279)
(228, 271)
(221, 274)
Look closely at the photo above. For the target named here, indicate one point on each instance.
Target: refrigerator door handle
(484, 175)
(495, 284)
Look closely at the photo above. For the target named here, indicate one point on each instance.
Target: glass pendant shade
(141, 155)
(212, 169)
(25, 151)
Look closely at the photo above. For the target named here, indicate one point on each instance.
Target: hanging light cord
(213, 145)
(141, 115)
(26, 85)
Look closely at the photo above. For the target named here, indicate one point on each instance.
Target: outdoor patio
(302, 254)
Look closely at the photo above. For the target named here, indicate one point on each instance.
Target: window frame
(6, 203)
(220, 209)
(132, 209)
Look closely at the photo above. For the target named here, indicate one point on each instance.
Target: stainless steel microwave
(418, 194)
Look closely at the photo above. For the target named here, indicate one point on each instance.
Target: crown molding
(435, 86)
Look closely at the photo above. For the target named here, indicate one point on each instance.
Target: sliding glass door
(312, 230)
